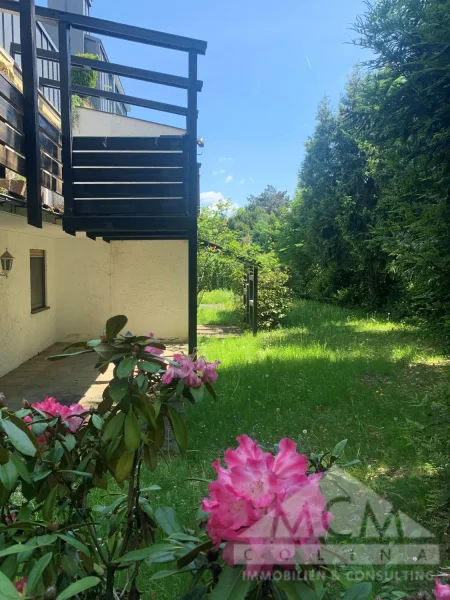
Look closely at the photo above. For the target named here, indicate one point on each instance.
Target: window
(37, 279)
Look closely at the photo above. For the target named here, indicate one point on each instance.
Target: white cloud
(211, 197)
(251, 179)
(225, 159)
(220, 172)
(248, 180)
(228, 178)
(242, 181)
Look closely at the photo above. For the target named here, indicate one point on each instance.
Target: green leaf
(126, 367)
(187, 558)
(211, 390)
(359, 591)
(231, 585)
(183, 537)
(168, 520)
(113, 427)
(4, 456)
(61, 356)
(152, 553)
(150, 458)
(339, 448)
(198, 393)
(78, 587)
(97, 421)
(151, 488)
(17, 549)
(21, 468)
(49, 504)
(132, 432)
(9, 475)
(93, 343)
(296, 590)
(149, 367)
(118, 389)
(124, 466)
(19, 439)
(75, 345)
(114, 326)
(75, 543)
(26, 429)
(178, 428)
(164, 573)
(36, 572)
(8, 590)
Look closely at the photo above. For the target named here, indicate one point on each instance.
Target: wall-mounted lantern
(6, 261)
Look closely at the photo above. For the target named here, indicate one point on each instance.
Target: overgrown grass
(218, 297)
(219, 307)
(330, 372)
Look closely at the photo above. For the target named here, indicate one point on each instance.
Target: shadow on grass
(219, 316)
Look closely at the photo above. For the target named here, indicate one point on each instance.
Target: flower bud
(26, 404)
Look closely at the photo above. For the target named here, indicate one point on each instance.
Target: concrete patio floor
(69, 380)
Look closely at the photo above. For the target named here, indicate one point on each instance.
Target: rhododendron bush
(53, 541)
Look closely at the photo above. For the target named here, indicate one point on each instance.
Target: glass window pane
(37, 275)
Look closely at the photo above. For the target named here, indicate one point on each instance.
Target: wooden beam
(192, 201)
(172, 143)
(31, 112)
(158, 191)
(131, 206)
(128, 223)
(127, 159)
(133, 175)
(82, 90)
(116, 69)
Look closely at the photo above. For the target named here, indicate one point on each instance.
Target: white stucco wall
(150, 285)
(97, 123)
(86, 283)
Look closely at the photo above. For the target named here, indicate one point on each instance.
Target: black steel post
(31, 112)
(193, 199)
(65, 74)
(255, 300)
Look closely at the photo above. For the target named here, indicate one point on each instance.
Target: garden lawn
(329, 374)
(218, 307)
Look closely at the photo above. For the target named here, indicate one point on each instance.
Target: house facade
(68, 278)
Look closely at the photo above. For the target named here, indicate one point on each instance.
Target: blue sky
(267, 66)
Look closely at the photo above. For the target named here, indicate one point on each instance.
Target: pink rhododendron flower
(152, 349)
(68, 414)
(267, 509)
(441, 591)
(20, 585)
(194, 373)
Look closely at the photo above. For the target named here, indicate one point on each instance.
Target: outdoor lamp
(6, 261)
(201, 143)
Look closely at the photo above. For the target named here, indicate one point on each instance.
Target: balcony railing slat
(116, 69)
(130, 175)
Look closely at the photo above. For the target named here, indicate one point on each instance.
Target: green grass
(334, 373)
(219, 307)
(218, 297)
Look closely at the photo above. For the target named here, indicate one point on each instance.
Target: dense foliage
(227, 248)
(370, 222)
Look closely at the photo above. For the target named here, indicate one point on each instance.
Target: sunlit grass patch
(327, 375)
